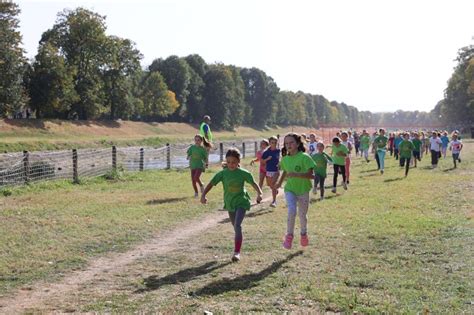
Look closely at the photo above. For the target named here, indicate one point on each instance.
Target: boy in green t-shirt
(339, 153)
(406, 151)
(321, 160)
(297, 168)
(417, 144)
(198, 160)
(236, 198)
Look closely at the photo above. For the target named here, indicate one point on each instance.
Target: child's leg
(381, 154)
(193, 172)
(455, 159)
(321, 185)
(348, 168)
(303, 203)
(407, 167)
(261, 179)
(342, 170)
(291, 203)
(334, 179)
(366, 154)
(197, 176)
(236, 219)
(444, 149)
(402, 162)
(377, 160)
(274, 183)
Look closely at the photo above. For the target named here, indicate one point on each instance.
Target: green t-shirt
(298, 163)
(336, 159)
(381, 143)
(197, 157)
(365, 142)
(235, 194)
(406, 149)
(417, 143)
(321, 162)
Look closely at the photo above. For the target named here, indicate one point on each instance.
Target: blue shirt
(272, 164)
(397, 142)
(445, 141)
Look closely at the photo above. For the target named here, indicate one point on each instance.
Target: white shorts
(272, 174)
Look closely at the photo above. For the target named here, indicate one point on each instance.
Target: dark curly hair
(300, 141)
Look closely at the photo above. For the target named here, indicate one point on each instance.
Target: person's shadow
(243, 282)
(153, 282)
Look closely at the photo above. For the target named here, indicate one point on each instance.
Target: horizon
(385, 48)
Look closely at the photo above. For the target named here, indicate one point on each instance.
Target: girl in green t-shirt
(236, 198)
(339, 153)
(198, 160)
(298, 168)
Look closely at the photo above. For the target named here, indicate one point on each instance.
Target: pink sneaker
(288, 241)
(304, 241)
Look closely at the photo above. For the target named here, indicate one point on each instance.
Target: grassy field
(388, 244)
(38, 135)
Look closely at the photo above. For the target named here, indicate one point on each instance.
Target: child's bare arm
(282, 178)
(204, 193)
(308, 174)
(259, 191)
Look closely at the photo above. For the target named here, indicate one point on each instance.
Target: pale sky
(377, 55)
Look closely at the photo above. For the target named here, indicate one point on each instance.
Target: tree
(122, 62)
(158, 101)
(177, 75)
(12, 61)
(51, 86)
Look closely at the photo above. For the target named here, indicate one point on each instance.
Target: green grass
(387, 245)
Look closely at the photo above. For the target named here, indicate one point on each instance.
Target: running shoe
(236, 257)
(304, 241)
(288, 241)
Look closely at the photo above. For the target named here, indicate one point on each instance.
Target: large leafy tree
(158, 101)
(177, 75)
(12, 61)
(122, 63)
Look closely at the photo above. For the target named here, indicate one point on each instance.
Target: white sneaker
(321, 198)
(273, 204)
(315, 190)
(333, 190)
(196, 195)
(236, 257)
(344, 185)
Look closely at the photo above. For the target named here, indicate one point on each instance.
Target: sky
(377, 55)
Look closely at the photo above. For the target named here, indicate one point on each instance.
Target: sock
(238, 245)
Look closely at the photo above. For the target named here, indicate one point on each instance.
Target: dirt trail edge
(163, 242)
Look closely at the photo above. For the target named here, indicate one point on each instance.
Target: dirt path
(36, 295)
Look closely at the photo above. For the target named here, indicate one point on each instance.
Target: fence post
(221, 151)
(114, 158)
(243, 150)
(256, 148)
(168, 156)
(142, 158)
(26, 167)
(75, 173)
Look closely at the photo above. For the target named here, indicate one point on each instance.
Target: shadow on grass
(244, 282)
(153, 282)
(252, 214)
(426, 168)
(369, 171)
(165, 200)
(316, 199)
(389, 180)
(449, 169)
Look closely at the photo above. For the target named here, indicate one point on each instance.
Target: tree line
(79, 72)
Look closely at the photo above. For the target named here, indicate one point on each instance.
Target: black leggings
(318, 179)
(341, 169)
(402, 163)
(434, 157)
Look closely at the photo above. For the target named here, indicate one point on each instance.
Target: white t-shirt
(434, 143)
(456, 146)
(312, 147)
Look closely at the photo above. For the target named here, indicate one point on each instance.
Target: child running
(321, 161)
(198, 160)
(435, 144)
(417, 143)
(262, 171)
(455, 147)
(298, 167)
(339, 153)
(236, 198)
(312, 145)
(271, 158)
(380, 146)
(444, 143)
(348, 143)
(406, 148)
(365, 145)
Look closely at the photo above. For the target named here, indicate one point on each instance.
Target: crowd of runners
(301, 162)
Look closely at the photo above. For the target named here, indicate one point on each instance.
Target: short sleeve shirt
(272, 164)
(197, 157)
(298, 163)
(339, 160)
(235, 194)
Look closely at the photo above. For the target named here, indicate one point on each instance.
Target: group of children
(301, 162)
